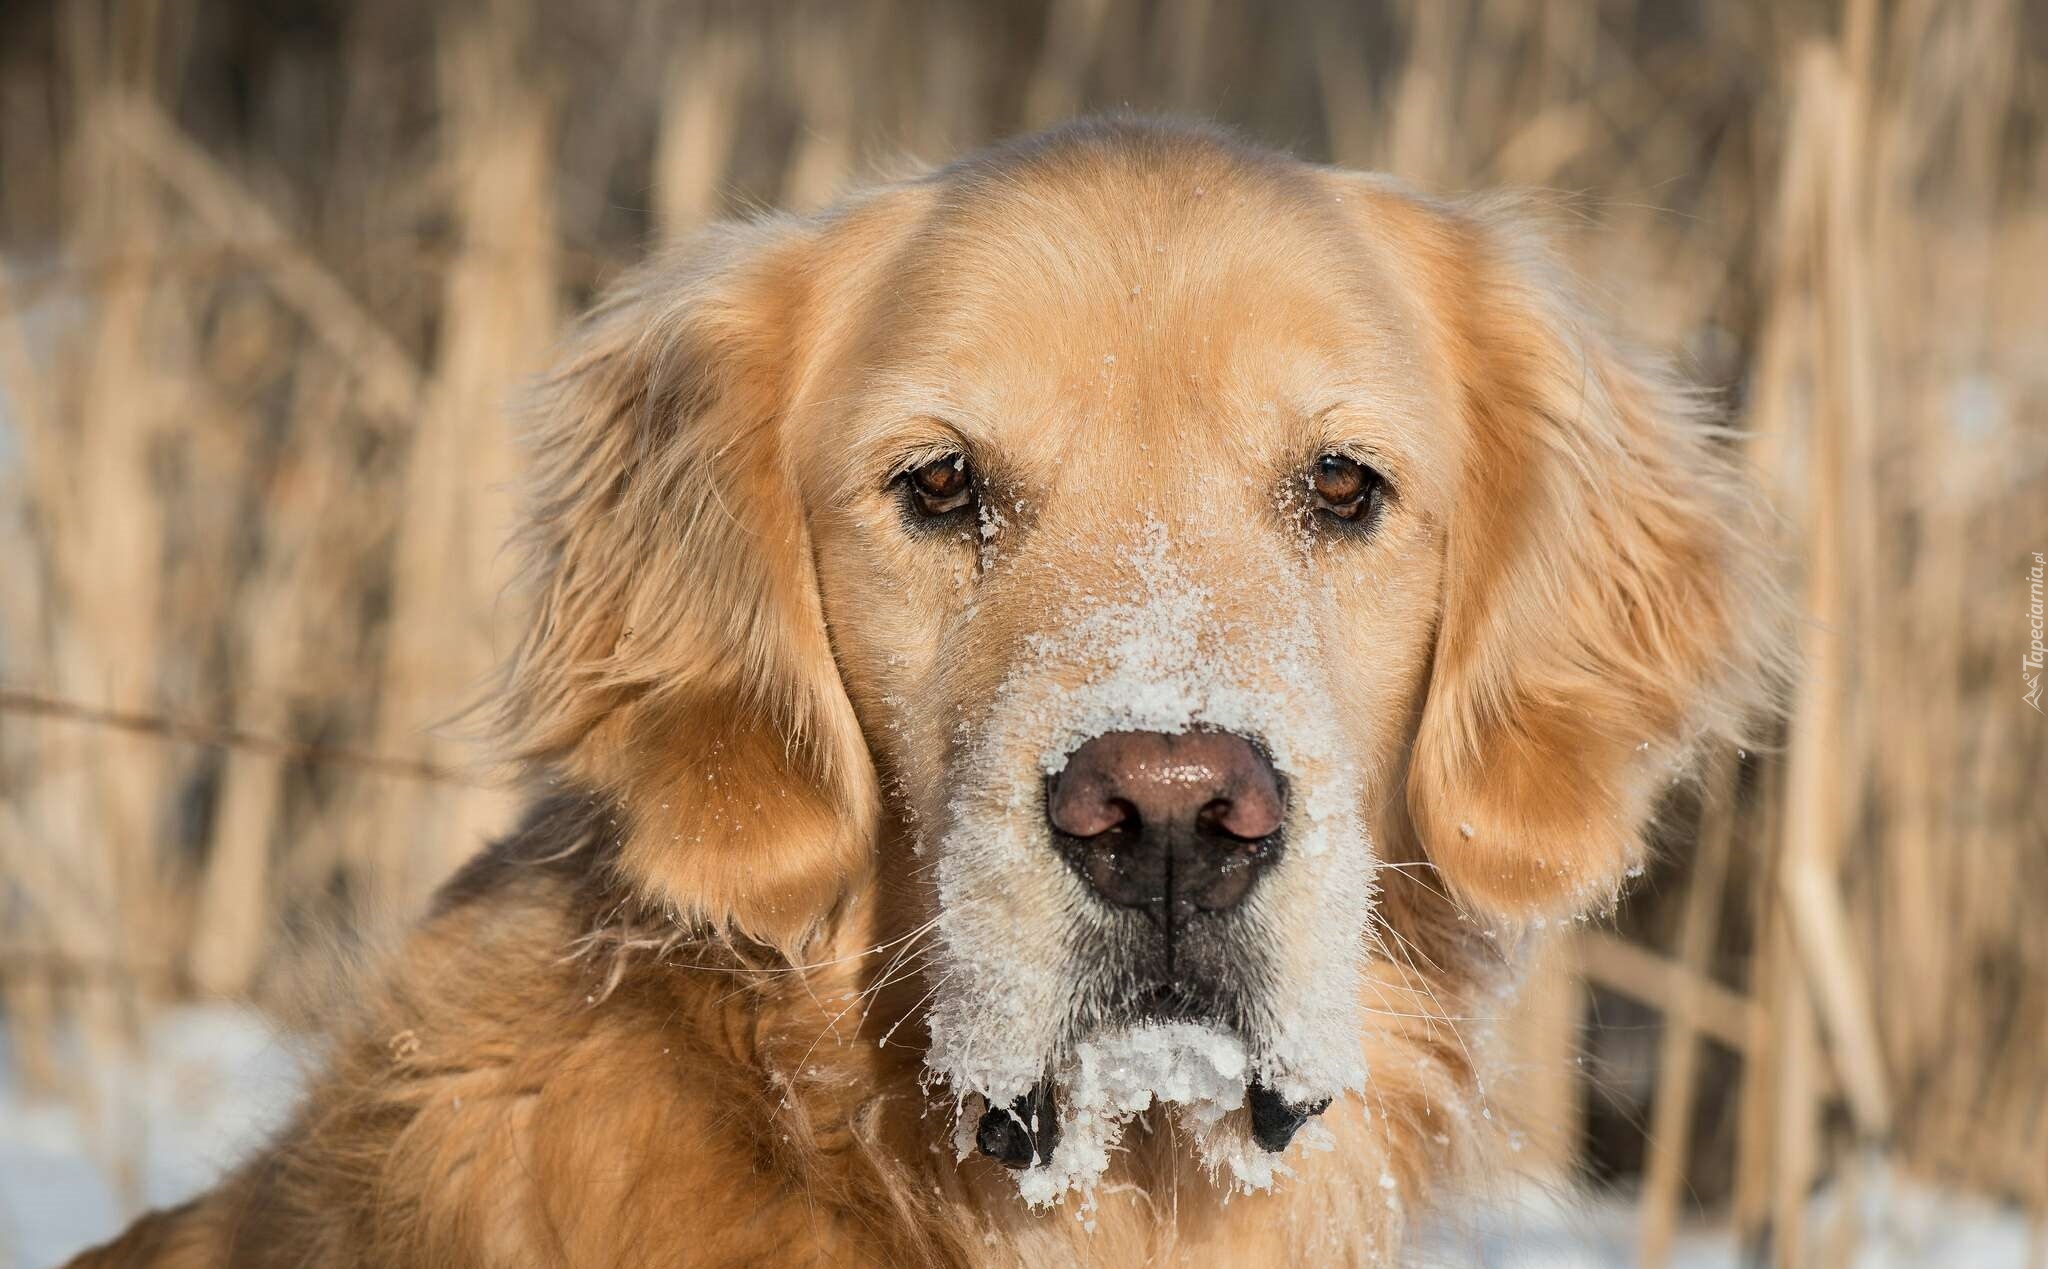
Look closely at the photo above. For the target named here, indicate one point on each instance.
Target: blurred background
(270, 274)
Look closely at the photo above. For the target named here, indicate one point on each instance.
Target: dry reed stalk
(1678, 1047)
(1346, 93)
(1943, 904)
(1757, 1095)
(822, 160)
(1822, 767)
(1794, 1131)
(939, 117)
(391, 380)
(446, 634)
(276, 619)
(1907, 156)
(1073, 41)
(1540, 148)
(28, 996)
(699, 124)
(828, 103)
(98, 498)
(1668, 985)
(1541, 1094)
(1774, 1154)
(1420, 124)
(27, 1000)
(1186, 39)
(1811, 810)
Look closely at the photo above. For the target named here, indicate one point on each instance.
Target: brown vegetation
(264, 286)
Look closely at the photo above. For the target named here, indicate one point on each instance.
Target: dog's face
(1110, 552)
(1128, 527)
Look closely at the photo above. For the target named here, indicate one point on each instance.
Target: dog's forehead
(1192, 294)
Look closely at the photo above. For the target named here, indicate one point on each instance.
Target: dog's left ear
(1607, 607)
(676, 664)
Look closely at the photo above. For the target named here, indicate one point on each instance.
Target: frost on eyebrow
(1154, 650)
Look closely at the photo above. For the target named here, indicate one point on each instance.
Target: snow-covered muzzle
(1046, 1025)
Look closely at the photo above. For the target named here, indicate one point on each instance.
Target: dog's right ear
(676, 660)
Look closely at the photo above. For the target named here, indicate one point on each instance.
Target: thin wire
(39, 705)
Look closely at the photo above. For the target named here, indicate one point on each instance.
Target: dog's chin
(1060, 1134)
(1209, 971)
(1200, 1003)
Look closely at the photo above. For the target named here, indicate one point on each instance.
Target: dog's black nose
(1169, 824)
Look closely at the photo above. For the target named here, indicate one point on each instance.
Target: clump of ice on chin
(1154, 656)
(1196, 1072)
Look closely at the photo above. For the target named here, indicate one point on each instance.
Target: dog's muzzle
(1177, 827)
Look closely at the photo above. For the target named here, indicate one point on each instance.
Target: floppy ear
(1607, 610)
(677, 661)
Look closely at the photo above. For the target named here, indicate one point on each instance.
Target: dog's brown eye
(940, 487)
(1346, 488)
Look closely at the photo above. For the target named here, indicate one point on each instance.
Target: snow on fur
(1157, 656)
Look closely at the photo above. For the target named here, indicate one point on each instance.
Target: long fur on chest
(548, 1075)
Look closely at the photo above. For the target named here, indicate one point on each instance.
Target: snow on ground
(213, 1079)
(209, 1082)
(1899, 1226)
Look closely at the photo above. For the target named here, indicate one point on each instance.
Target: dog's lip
(1176, 1002)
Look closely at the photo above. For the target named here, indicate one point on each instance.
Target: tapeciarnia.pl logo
(2030, 664)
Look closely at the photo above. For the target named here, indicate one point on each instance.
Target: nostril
(1124, 817)
(1082, 804)
(1214, 816)
(1254, 812)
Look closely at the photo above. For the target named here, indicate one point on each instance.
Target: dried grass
(254, 348)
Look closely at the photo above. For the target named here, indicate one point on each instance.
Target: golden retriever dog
(1060, 694)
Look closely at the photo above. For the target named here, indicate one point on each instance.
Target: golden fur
(677, 1017)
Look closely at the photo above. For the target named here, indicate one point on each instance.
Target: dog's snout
(1168, 823)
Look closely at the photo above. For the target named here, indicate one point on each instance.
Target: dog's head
(1111, 549)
